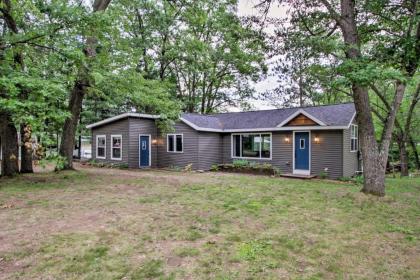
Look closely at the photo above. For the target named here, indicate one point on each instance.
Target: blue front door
(144, 151)
(302, 150)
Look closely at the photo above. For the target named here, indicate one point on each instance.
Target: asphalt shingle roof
(330, 115)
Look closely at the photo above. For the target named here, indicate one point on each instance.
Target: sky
(246, 8)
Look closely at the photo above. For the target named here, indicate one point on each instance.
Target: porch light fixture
(286, 139)
(154, 141)
(316, 139)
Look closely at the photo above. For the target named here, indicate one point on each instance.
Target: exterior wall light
(286, 139)
(154, 141)
(316, 139)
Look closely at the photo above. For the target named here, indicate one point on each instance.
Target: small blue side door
(302, 150)
(144, 151)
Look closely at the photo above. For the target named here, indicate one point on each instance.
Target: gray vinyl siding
(190, 148)
(282, 151)
(327, 153)
(117, 127)
(141, 126)
(210, 149)
(203, 149)
(350, 159)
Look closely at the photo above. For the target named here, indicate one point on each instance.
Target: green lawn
(119, 224)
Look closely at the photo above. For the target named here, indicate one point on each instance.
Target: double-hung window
(116, 147)
(175, 143)
(101, 146)
(251, 145)
(354, 138)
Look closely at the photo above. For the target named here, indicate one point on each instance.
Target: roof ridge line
(267, 110)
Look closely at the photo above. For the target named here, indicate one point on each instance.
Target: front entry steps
(297, 176)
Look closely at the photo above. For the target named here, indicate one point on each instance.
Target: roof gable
(301, 120)
(122, 116)
(297, 114)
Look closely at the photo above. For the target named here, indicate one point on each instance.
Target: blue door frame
(302, 149)
(144, 150)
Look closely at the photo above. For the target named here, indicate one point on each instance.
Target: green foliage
(58, 161)
(345, 179)
(214, 167)
(175, 168)
(239, 163)
(277, 171)
(119, 165)
(323, 174)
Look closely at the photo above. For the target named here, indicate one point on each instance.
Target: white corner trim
(351, 121)
(303, 112)
(122, 116)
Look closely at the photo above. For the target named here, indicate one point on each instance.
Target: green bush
(265, 166)
(214, 167)
(175, 168)
(323, 174)
(358, 180)
(277, 171)
(119, 165)
(56, 159)
(240, 163)
(344, 179)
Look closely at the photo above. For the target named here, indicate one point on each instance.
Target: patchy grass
(120, 224)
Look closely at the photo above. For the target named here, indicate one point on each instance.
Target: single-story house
(305, 140)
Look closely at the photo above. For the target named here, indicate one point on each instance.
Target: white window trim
(97, 138)
(300, 144)
(167, 143)
(357, 137)
(112, 142)
(252, 133)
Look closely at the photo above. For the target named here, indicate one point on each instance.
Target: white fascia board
(287, 128)
(122, 116)
(351, 120)
(303, 112)
(201, 128)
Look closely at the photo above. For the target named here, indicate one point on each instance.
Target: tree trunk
(9, 142)
(374, 157)
(26, 149)
(77, 94)
(403, 155)
(70, 124)
(373, 165)
(416, 154)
